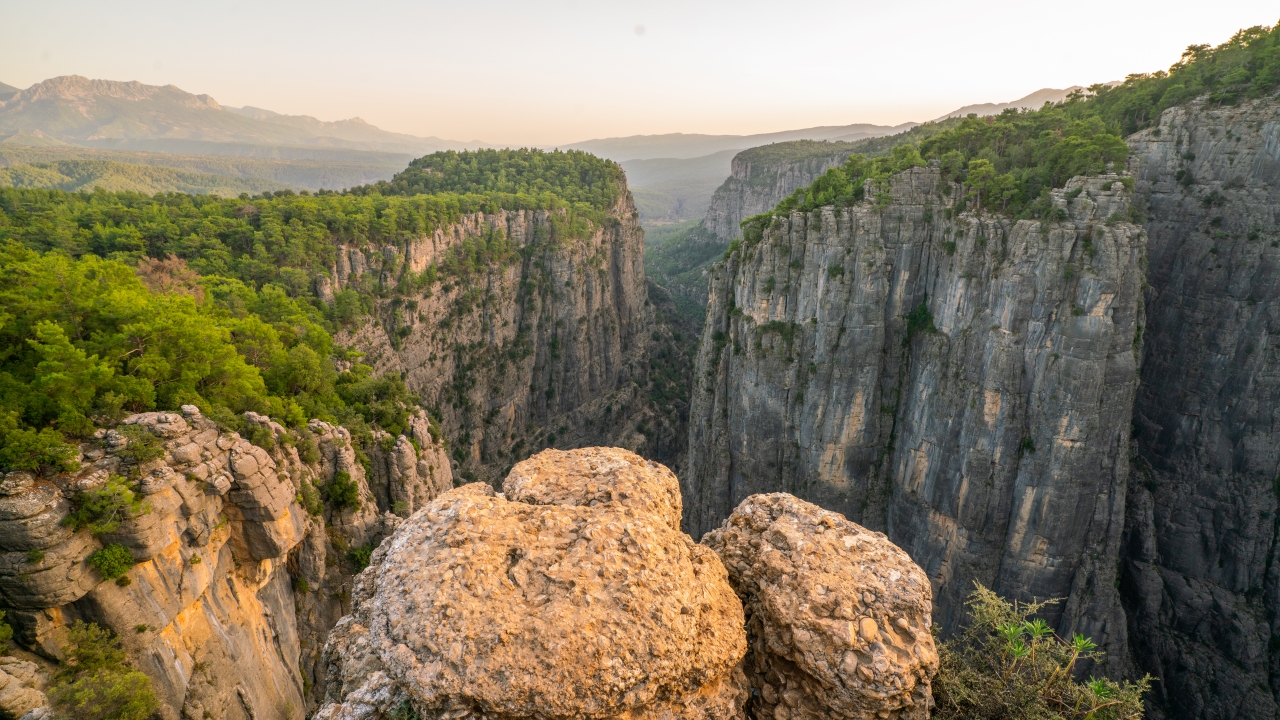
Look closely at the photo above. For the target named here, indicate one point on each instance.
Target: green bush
(6, 634)
(1009, 665)
(113, 561)
(102, 509)
(143, 446)
(342, 492)
(360, 556)
(96, 682)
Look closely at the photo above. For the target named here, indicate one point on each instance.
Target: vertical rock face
(762, 177)
(962, 381)
(236, 584)
(551, 348)
(1201, 581)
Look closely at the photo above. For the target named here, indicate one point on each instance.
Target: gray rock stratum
(1201, 582)
(963, 382)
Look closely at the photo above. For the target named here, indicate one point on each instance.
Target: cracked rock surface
(838, 617)
(480, 606)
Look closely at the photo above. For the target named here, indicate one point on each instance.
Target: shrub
(102, 509)
(35, 555)
(96, 682)
(6, 634)
(920, 320)
(309, 498)
(301, 586)
(142, 447)
(360, 557)
(113, 561)
(1009, 664)
(342, 492)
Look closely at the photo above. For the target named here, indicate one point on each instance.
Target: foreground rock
(838, 618)
(480, 606)
(597, 476)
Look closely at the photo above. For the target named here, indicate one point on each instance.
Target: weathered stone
(538, 611)
(838, 618)
(596, 476)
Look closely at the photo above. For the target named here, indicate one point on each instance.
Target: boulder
(838, 617)
(480, 605)
(597, 476)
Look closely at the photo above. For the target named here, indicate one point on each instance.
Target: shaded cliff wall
(236, 584)
(962, 381)
(559, 347)
(1201, 582)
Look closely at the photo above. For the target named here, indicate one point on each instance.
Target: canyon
(1081, 408)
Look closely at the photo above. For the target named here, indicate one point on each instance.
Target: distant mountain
(1034, 101)
(692, 145)
(240, 172)
(74, 175)
(131, 115)
(7, 91)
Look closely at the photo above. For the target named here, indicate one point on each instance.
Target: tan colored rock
(597, 476)
(479, 604)
(17, 696)
(838, 617)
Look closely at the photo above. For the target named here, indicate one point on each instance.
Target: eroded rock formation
(236, 584)
(484, 607)
(585, 600)
(962, 381)
(838, 617)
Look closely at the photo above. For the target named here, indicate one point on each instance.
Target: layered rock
(762, 177)
(1201, 582)
(838, 618)
(551, 347)
(216, 610)
(480, 606)
(960, 380)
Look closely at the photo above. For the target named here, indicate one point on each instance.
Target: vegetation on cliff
(114, 303)
(575, 177)
(96, 682)
(1009, 162)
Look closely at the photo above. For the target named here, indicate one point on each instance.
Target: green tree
(96, 682)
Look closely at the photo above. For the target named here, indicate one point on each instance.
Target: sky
(532, 72)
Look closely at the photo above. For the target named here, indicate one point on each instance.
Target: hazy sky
(526, 71)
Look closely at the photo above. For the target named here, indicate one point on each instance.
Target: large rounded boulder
(484, 606)
(838, 617)
(597, 476)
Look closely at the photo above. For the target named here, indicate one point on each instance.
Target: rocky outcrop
(574, 595)
(484, 606)
(762, 177)
(236, 583)
(838, 618)
(595, 476)
(550, 346)
(962, 381)
(1201, 582)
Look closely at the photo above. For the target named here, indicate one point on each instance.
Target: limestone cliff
(960, 380)
(555, 347)
(1201, 582)
(236, 583)
(761, 177)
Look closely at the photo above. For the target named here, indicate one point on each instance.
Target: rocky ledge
(572, 594)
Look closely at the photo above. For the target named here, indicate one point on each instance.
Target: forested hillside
(125, 302)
